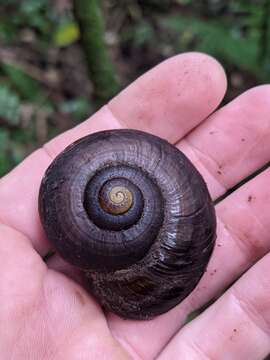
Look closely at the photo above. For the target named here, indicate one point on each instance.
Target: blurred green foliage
(9, 106)
(31, 13)
(26, 87)
(236, 38)
(44, 86)
(30, 27)
(67, 33)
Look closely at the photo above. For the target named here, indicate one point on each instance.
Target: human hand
(45, 314)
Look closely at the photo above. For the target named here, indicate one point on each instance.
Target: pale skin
(46, 314)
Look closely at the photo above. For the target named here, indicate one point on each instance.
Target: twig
(100, 67)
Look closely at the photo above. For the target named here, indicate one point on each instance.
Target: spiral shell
(134, 214)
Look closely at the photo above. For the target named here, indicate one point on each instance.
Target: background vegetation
(60, 61)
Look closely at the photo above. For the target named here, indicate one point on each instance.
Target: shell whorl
(131, 211)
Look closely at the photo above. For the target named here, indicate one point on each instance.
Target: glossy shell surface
(134, 214)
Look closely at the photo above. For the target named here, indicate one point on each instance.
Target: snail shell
(134, 214)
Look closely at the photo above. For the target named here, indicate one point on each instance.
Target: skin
(46, 314)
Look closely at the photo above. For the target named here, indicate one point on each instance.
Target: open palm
(46, 314)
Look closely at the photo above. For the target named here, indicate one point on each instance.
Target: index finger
(168, 101)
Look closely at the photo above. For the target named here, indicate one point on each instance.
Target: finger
(17, 261)
(40, 309)
(169, 100)
(242, 238)
(233, 142)
(58, 264)
(238, 322)
(172, 99)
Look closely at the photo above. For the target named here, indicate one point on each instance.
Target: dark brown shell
(141, 263)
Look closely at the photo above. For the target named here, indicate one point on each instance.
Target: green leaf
(27, 87)
(66, 34)
(9, 106)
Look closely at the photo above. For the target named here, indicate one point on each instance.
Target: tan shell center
(121, 200)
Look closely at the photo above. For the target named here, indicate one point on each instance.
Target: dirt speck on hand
(233, 335)
(80, 297)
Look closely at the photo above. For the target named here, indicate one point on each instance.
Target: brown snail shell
(134, 214)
